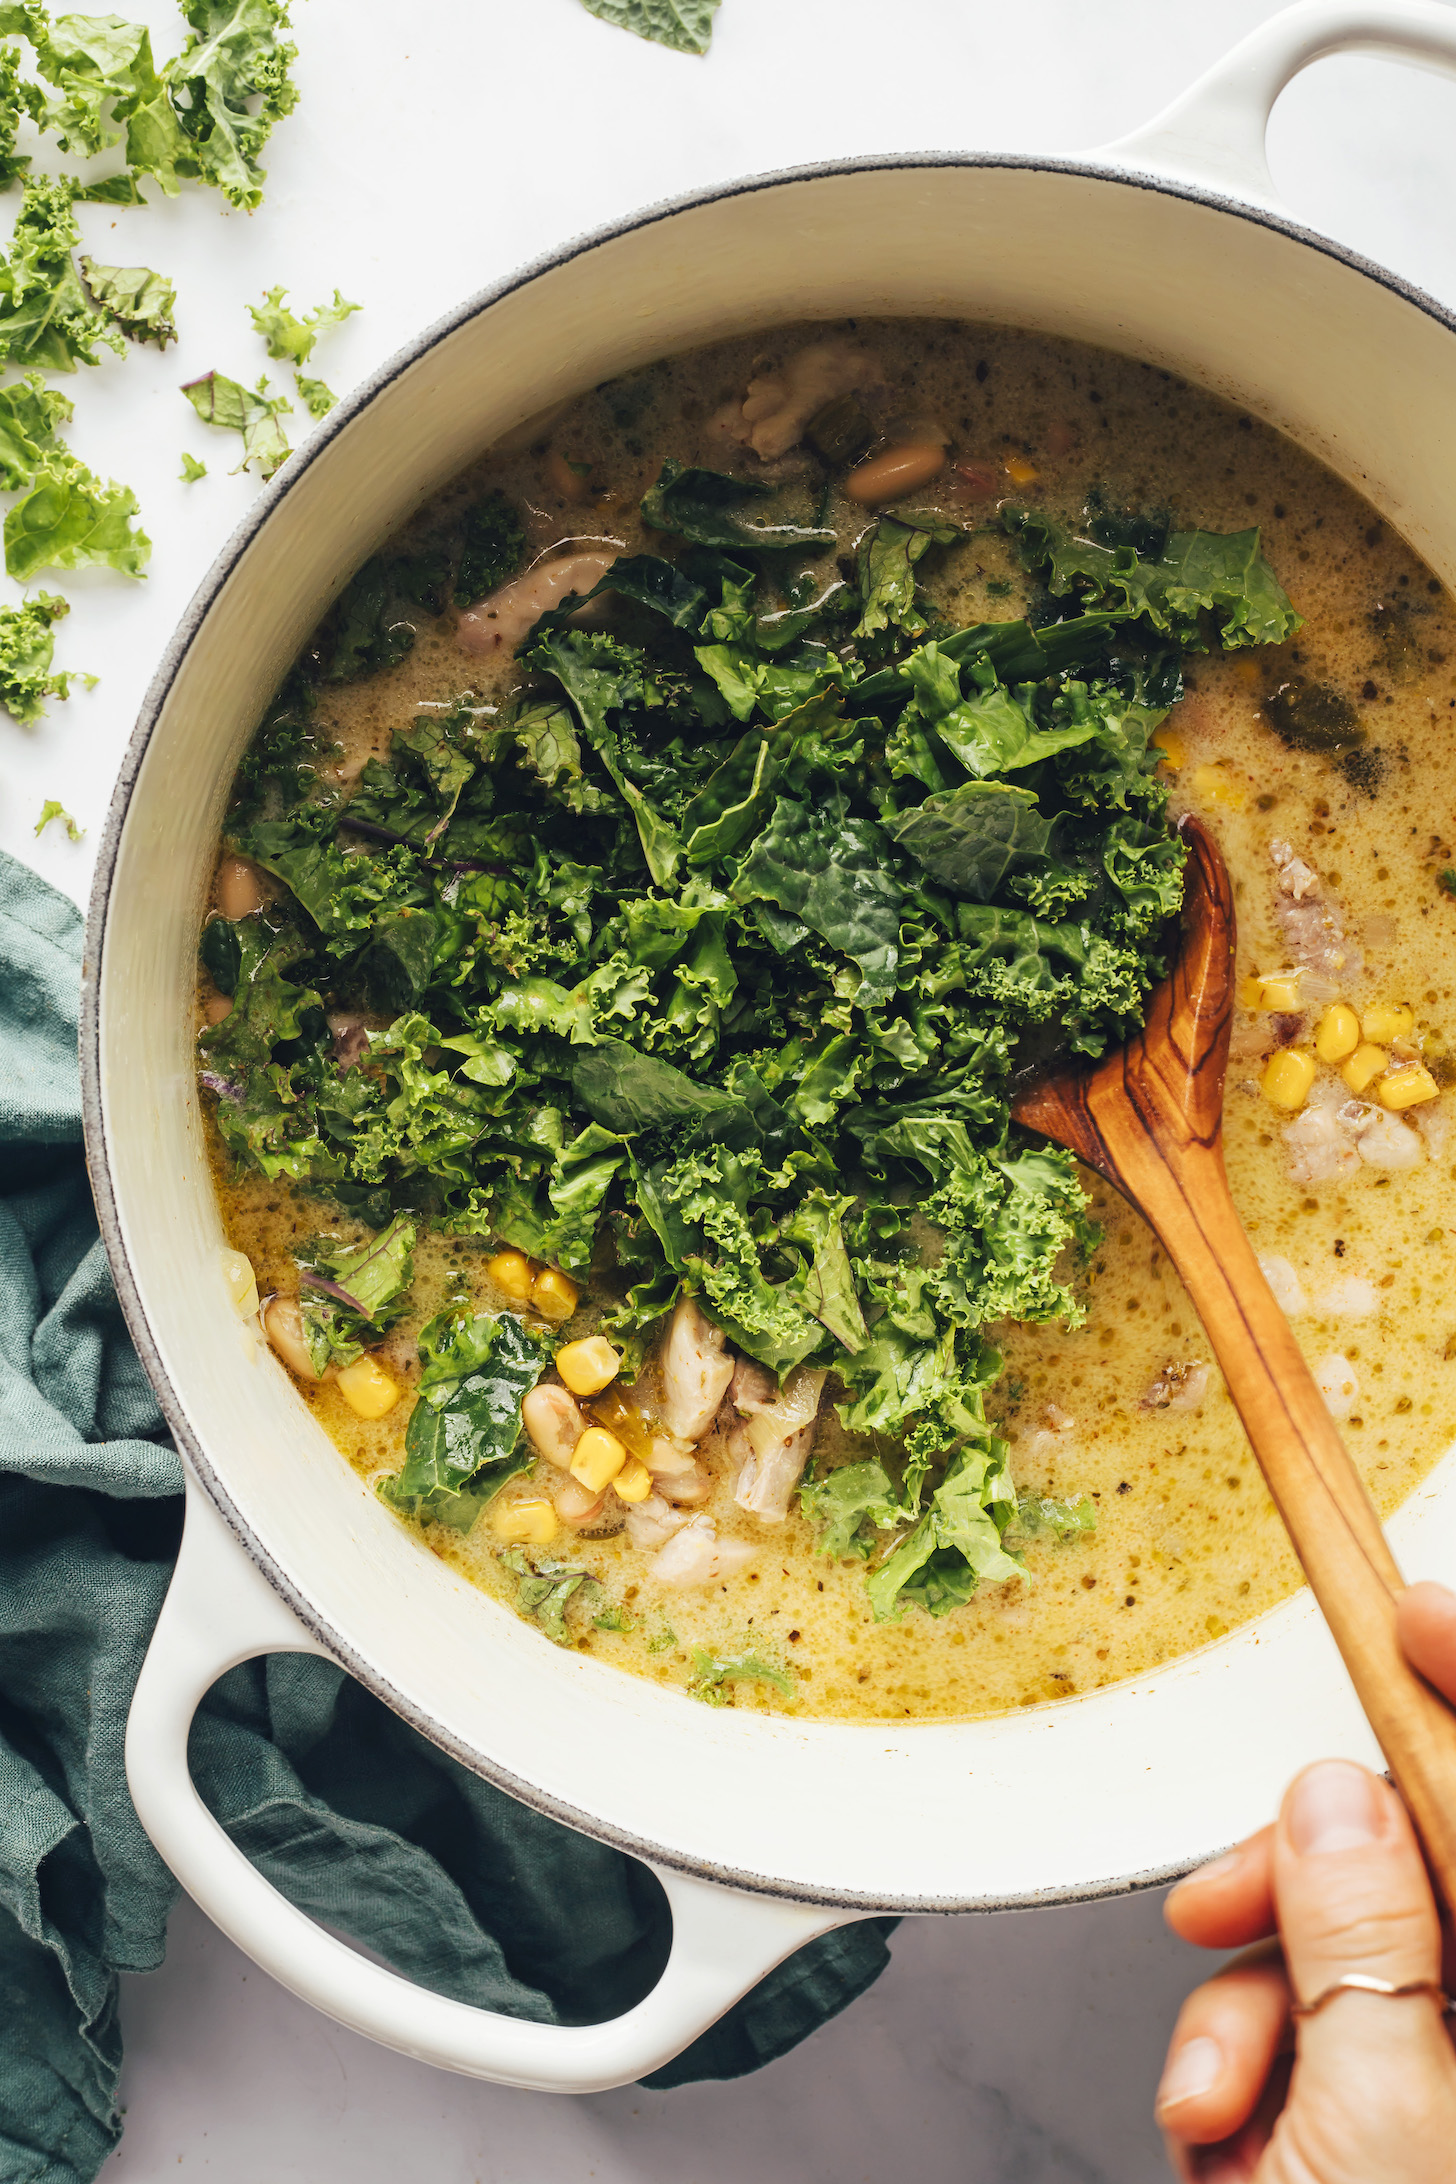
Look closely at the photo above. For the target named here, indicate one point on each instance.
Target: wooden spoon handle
(1336, 1533)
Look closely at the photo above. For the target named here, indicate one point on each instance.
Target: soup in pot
(632, 917)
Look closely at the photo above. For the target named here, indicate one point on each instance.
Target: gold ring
(1363, 1983)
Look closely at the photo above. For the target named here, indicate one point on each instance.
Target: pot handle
(219, 1611)
(1214, 133)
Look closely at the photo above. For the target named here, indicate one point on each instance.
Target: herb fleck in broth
(1327, 741)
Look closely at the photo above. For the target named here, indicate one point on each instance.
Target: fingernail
(1334, 1806)
(1193, 2070)
(1215, 1868)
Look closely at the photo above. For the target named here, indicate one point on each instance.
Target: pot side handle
(220, 1611)
(1214, 134)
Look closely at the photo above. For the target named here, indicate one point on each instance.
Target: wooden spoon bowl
(1149, 1117)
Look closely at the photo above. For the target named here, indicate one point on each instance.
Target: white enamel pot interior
(285, 1545)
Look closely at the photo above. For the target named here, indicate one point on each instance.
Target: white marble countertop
(436, 147)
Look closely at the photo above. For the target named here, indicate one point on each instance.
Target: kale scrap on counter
(705, 962)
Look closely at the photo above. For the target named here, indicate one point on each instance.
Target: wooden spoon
(1149, 1117)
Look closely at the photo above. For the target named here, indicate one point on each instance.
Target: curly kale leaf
(976, 838)
(27, 647)
(829, 870)
(292, 340)
(684, 26)
(957, 1543)
(849, 1507)
(543, 1589)
(46, 317)
(1196, 572)
(70, 520)
(888, 556)
(252, 412)
(136, 300)
(714, 1674)
(713, 509)
(464, 1438)
(351, 1294)
(233, 58)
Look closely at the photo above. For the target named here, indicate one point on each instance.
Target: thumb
(1352, 1896)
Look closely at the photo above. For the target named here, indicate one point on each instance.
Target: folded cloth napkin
(355, 1817)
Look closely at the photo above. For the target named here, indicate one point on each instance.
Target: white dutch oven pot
(764, 1832)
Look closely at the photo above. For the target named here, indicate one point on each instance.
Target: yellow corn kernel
(1249, 991)
(1216, 785)
(1288, 1077)
(367, 1388)
(1171, 744)
(1021, 472)
(587, 1366)
(522, 1521)
(1279, 992)
(1386, 1021)
(1407, 1088)
(1337, 1034)
(615, 1410)
(634, 1481)
(1363, 1067)
(553, 1295)
(597, 1458)
(511, 1272)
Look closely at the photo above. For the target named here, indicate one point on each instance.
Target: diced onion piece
(242, 1283)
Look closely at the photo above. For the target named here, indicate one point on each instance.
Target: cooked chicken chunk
(696, 1369)
(780, 1440)
(698, 1557)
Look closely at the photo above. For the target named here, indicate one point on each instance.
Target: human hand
(1364, 2092)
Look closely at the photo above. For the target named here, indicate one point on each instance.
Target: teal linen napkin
(355, 1817)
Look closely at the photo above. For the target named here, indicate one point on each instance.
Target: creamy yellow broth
(1187, 1544)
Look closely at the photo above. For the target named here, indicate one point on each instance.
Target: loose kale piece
(714, 1674)
(686, 26)
(29, 415)
(714, 951)
(543, 1589)
(70, 520)
(316, 398)
(234, 56)
(292, 339)
(463, 1440)
(135, 299)
(252, 411)
(46, 317)
(16, 99)
(191, 469)
(26, 650)
(52, 809)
